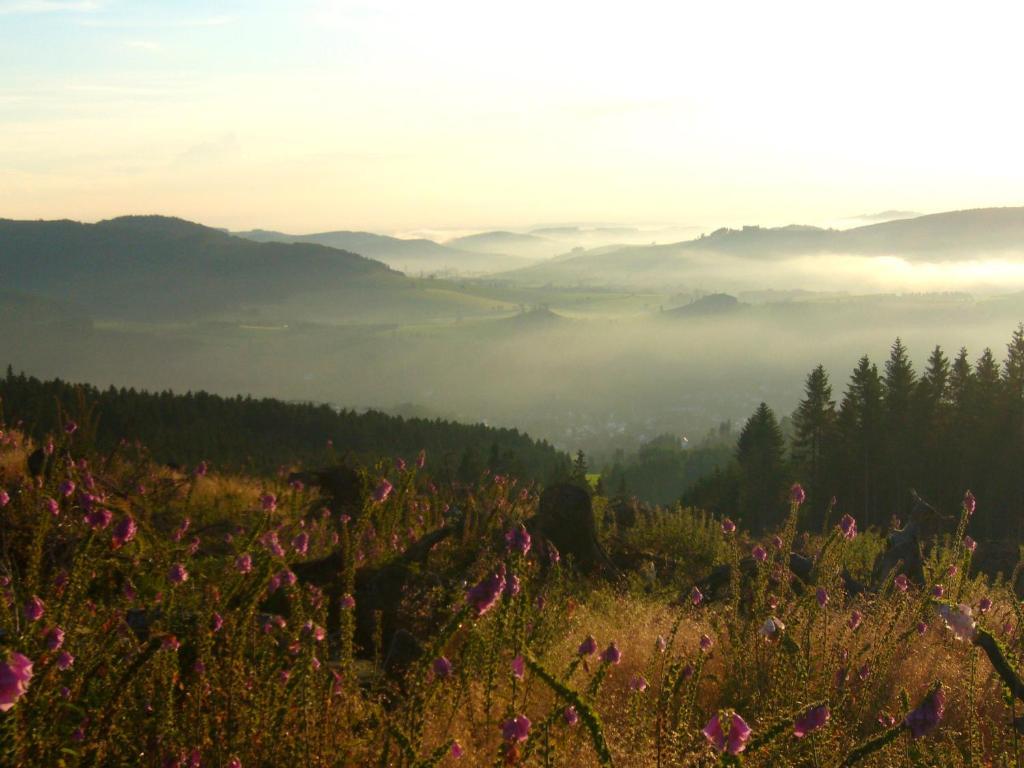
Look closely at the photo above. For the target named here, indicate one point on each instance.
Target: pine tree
(759, 454)
(901, 442)
(814, 422)
(861, 418)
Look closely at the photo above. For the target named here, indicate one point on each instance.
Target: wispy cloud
(166, 23)
(143, 45)
(49, 6)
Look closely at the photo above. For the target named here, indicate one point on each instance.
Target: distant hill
(955, 235)
(410, 256)
(526, 246)
(156, 266)
(713, 304)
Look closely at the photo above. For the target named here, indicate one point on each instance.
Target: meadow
(191, 617)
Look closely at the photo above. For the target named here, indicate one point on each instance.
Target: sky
(396, 116)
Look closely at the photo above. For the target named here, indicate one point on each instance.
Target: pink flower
(588, 647)
(201, 469)
(938, 591)
(234, 762)
(270, 541)
(15, 674)
(67, 488)
(70, 427)
(216, 622)
(484, 595)
(811, 720)
(660, 645)
(52, 506)
(570, 715)
(772, 628)
(64, 661)
(348, 602)
(921, 627)
(970, 544)
(512, 586)
(516, 729)
(706, 643)
(442, 668)
(518, 539)
(243, 563)
(902, 582)
(855, 619)
(797, 495)
(759, 553)
(5, 498)
(728, 526)
(268, 502)
(177, 574)
(960, 622)
(696, 597)
(733, 742)
(421, 459)
(98, 518)
(301, 543)
(34, 608)
(611, 654)
(518, 667)
(638, 683)
(54, 639)
(181, 530)
(927, 716)
(777, 541)
(848, 527)
(970, 503)
(382, 491)
(124, 531)
(984, 605)
(821, 595)
(457, 750)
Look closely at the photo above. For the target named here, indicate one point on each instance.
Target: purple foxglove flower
(124, 531)
(15, 674)
(301, 543)
(855, 619)
(797, 495)
(759, 553)
(243, 563)
(611, 654)
(177, 574)
(902, 582)
(516, 729)
(960, 621)
(821, 595)
(811, 720)
(268, 502)
(706, 643)
(728, 526)
(442, 668)
(970, 544)
(34, 608)
(571, 716)
(938, 591)
(970, 503)
(696, 596)
(348, 602)
(484, 595)
(65, 661)
(848, 527)
(638, 683)
(54, 639)
(927, 716)
(588, 647)
(518, 667)
(518, 539)
(382, 491)
(984, 605)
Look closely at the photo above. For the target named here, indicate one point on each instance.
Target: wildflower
(98, 519)
(52, 506)
(927, 716)
(216, 622)
(728, 526)
(855, 619)
(797, 495)
(773, 602)
(771, 628)
(821, 595)
(759, 553)
(921, 627)
(970, 503)
(34, 608)
(296, 485)
(64, 661)
(234, 762)
(611, 654)
(301, 543)
(348, 602)
(777, 541)
(733, 742)
(382, 491)
(687, 672)
(177, 574)
(706, 643)
(287, 578)
(124, 531)
(243, 563)
(512, 586)
(696, 596)
(952, 571)
(518, 539)
(5, 498)
(442, 668)
(984, 605)
(270, 541)
(848, 527)
(268, 502)
(638, 683)
(960, 621)
(181, 530)
(54, 638)
(67, 488)
(484, 595)
(570, 715)
(15, 674)
(864, 671)
(660, 645)
(588, 647)
(70, 427)
(456, 750)
(201, 469)
(901, 582)
(518, 667)
(421, 459)
(938, 591)
(516, 729)
(970, 544)
(811, 720)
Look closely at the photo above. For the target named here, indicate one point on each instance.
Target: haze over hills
(717, 258)
(413, 256)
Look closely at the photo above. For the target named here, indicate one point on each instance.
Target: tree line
(957, 424)
(260, 435)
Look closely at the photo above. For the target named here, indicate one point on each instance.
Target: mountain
(527, 246)
(713, 304)
(156, 266)
(411, 256)
(955, 235)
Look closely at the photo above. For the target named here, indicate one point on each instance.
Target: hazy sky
(395, 115)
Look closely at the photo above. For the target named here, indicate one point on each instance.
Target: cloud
(168, 23)
(206, 152)
(49, 6)
(143, 45)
